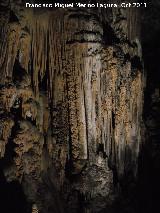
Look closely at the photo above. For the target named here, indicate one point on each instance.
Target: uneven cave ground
(79, 109)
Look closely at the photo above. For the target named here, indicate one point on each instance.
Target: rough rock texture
(71, 104)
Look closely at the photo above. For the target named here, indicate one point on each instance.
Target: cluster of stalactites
(121, 111)
(105, 107)
(104, 99)
(41, 48)
(47, 45)
(9, 46)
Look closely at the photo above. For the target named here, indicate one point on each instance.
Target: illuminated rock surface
(71, 101)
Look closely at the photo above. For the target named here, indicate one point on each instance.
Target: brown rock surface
(71, 103)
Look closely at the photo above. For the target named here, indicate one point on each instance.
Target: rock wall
(71, 101)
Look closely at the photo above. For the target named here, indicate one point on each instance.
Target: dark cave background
(149, 166)
(142, 196)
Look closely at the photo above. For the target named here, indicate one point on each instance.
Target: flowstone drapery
(71, 103)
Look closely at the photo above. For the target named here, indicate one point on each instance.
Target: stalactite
(56, 52)
(8, 95)
(29, 109)
(43, 114)
(9, 52)
(38, 29)
(6, 128)
(24, 50)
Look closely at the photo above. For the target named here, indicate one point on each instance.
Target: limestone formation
(71, 101)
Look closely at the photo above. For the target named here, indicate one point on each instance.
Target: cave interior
(79, 109)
